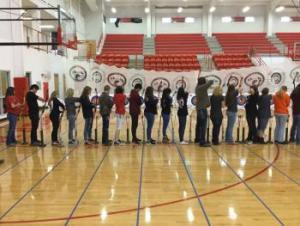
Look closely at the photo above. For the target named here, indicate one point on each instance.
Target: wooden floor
(160, 185)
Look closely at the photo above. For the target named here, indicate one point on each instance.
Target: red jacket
(119, 101)
(281, 104)
(135, 103)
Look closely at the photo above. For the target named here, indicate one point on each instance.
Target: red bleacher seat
(228, 61)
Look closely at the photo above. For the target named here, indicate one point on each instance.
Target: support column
(209, 24)
(269, 23)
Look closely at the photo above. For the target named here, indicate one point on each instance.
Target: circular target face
(233, 78)
(78, 73)
(116, 79)
(241, 100)
(97, 75)
(217, 81)
(255, 79)
(180, 82)
(276, 78)
(295, 74)
(159, 84)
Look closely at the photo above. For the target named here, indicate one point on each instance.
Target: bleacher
(289, 40)
(177, 62)
(117, 60)
(245, 43)
(181, 44)
(127, 44)
(229, 61)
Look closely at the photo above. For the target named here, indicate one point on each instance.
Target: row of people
(258, 113)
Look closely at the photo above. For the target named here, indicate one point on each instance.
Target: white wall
(279, 26)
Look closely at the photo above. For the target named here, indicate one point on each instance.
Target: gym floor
(160, 185)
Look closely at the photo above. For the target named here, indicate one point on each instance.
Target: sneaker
(136, 141)
(117, 142)
(87, 142)
(1, 161)
(165, 140)
(216, 143)
(71, 142)
(184, 143)
(36, 143)
(249, 142)
(151, 141)
(206, 145)
(283, 143)
(57, 144)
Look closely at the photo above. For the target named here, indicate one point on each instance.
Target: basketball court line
(189, 174)
(151, 206)
(248, 186)
(25, 158)
(37, 183)
(140, 186)
(87, 186)
(274, 166)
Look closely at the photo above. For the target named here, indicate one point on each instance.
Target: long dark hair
(255, 90)
(149, 93)
(10, 91)
(229, 94)
(296, 91)
(166, 93)
(181, 93)
(119, 89)
(85, 92)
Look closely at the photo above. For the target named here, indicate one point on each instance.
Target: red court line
(152, 206)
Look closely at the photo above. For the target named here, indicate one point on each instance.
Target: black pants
(134, 125)
(105, 129)
(181, 129)
(34, 118)
(55, 125)
(217, 122)
(251, 121)
(201, 126)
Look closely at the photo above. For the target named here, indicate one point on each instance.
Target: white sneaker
(184, 143)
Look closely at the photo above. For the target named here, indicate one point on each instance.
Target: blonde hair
(69, 93)
(218, 91)
(52, 96)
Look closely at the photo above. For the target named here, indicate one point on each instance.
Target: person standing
(295, 96)
(70, 102)
(119, 101)
(56, 109)
(251, 114)
(202, 104)
(12, 109)
(135, 103)
(182, 98)
(231, 104)
(106, 104)
(166, 105)
(87, 111)
(33, 110)
(264, 114)
(281, 102)
(150, 111)
(216, 115)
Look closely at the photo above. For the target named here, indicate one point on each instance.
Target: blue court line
(248, 186)
(36, 184)
(275, 167)
(86, 187)
(140, 187)
(193, 184)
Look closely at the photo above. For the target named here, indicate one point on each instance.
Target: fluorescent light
(189, 20)
(249, 19)
(246, 9)
(113, 10)
(226, 19)
(166, 20)
(279, 9)
(285, 19)
(47, 26)
(147, 10)
(112, 20)
(212, 9)
(180, 9)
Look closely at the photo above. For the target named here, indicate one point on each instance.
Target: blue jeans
(150, 121)
(11, 137)
(231, 119)
(88, 128)
(294, 128)
(280, 127)
(297, 117)
(72, 120)
(166, 120)
(201, 125)
(182, 124)
(262, 125)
